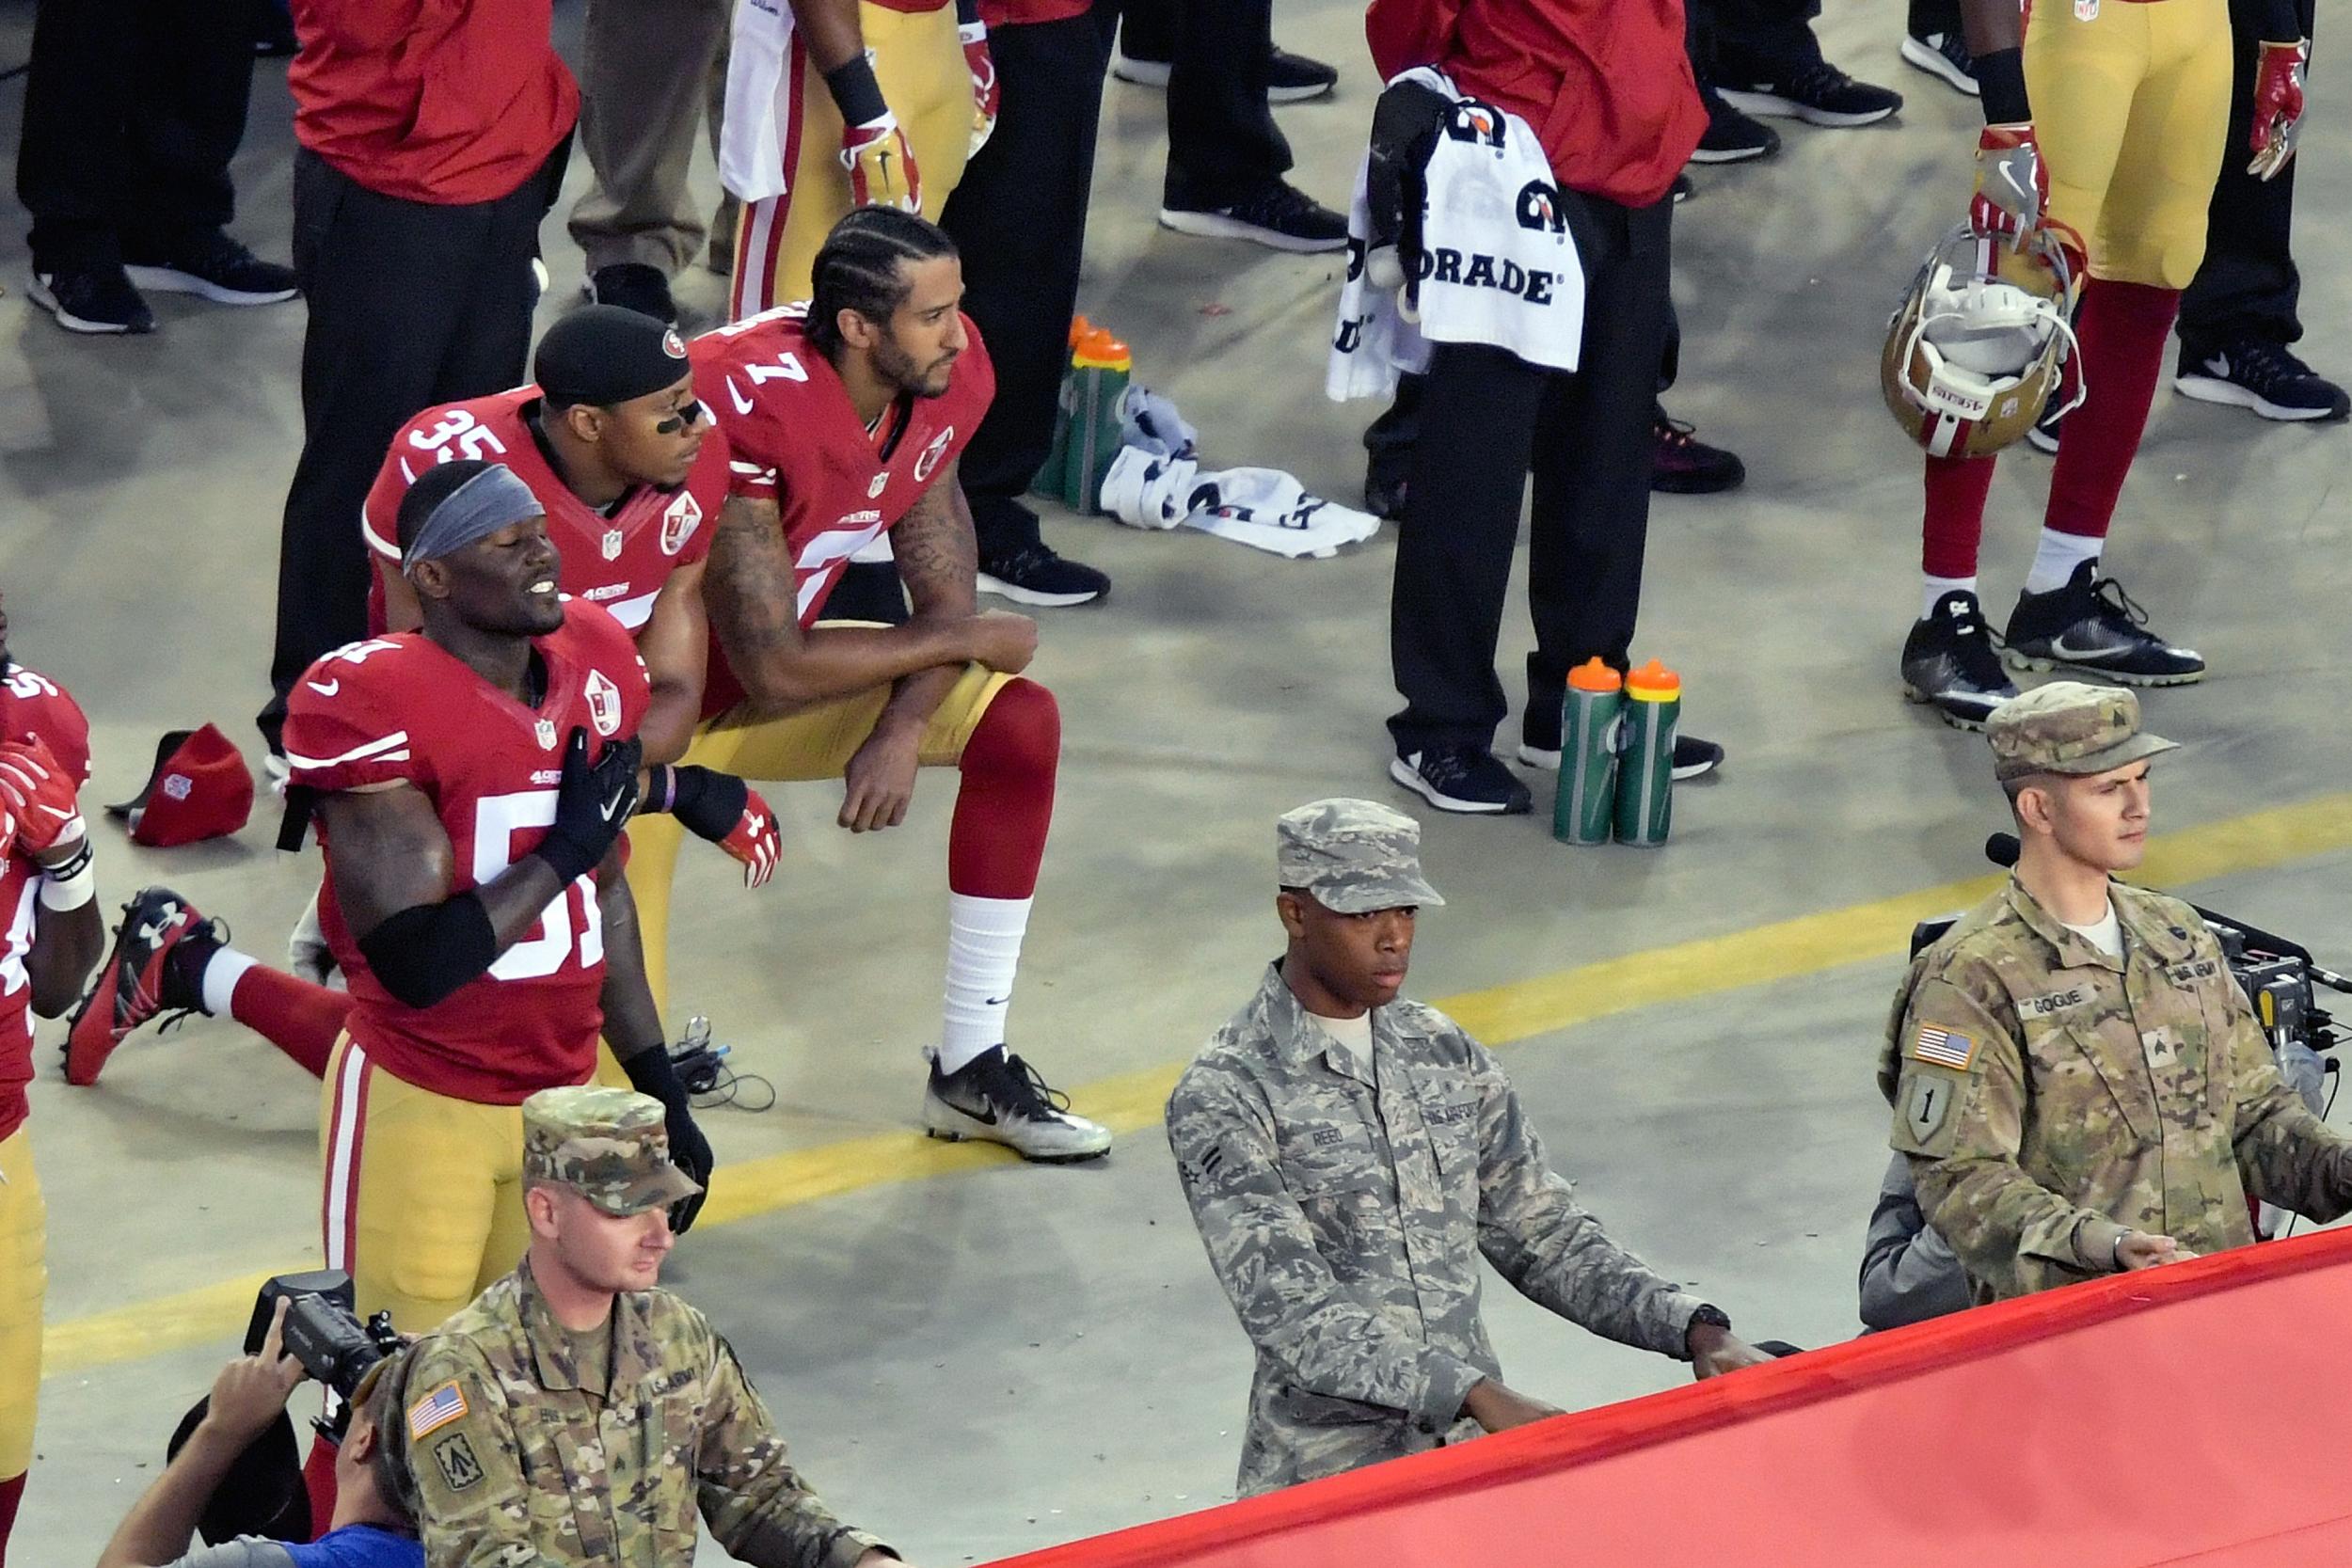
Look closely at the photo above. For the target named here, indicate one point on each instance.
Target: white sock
(222, 971)
(983, 951)
(2055, 558)
(1932, 590)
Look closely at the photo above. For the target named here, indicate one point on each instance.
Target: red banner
(2192, 1414)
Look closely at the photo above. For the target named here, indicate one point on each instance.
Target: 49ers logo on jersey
(932, 454)
(604, 702)
(679, 522)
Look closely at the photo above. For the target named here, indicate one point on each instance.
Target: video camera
(324, 1332)
(2278, 976)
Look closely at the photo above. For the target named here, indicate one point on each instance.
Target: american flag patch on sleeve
(434, 1411)
(1941, 1046)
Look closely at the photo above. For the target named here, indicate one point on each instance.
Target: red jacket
(1606, 84)
(449, 102)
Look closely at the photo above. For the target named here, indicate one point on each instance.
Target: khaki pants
(652, 76)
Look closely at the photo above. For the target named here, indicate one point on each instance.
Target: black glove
(592, 805)
(1405, 126)
(650, 1073)
(706, 802)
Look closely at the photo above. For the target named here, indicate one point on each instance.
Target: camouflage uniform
(524, 1458)
(2052, 1098)
(1345, 1211)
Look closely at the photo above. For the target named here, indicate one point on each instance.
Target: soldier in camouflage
(574, 1414)
(2078, 1082)
(1348, 1157)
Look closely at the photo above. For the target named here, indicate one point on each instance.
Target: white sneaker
(1143, 73)
(997, 1098)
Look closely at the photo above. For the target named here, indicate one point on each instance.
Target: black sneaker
(1944, 56)
(2091, 626)
(1464, 779)
(1694, 757)
(997, 1098)
(92, 299)
(212, 266)
(1732, 138)
(2265, 377)
(633, 286)
(1279, 217)
(1295, 78)
(1950, 665)
(1680, 190)
(1818, 93)
(1035, 575)
(1384, 494)
(1682, 464)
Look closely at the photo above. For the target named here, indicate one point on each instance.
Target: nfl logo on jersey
(613, 539)
(545, 730)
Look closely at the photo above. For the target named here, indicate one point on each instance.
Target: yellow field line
(1131, 1101)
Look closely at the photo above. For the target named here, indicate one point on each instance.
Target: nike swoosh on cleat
(2083, 656)
(987, 1117)
(999, 1001)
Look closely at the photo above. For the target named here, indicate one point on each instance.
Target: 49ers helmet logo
(679, 522)
(604, 702)
(932, 454)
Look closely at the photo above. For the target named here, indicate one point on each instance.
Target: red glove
(987, 95)
(880, 165)
(756, 840)
(8, 829)
(2277, 105)
(2012, 183)
(39, 793)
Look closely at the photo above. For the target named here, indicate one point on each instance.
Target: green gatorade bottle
(1097, 374)
(1645, 762)
(1589, 716)
(1048, 480)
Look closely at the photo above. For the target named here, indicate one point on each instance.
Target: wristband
(967, 12)
(708, 803)
(2001, 88)
(73, 884)
(855, 92)
(661, 790)
(651, 1073)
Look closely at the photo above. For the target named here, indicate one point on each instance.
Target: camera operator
(2077, 1079)
(372, 1527)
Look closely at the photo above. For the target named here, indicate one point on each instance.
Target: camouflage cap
(610, 1145)
(1355, 856)
(2069, 727)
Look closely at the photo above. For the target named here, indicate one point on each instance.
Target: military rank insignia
(454, 1458)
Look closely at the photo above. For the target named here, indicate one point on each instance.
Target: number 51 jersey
(401, 710)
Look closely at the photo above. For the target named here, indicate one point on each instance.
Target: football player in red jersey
(472, 782)
(612, 443)
(50, 937)
(845, 419)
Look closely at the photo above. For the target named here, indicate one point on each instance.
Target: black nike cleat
(999, 1097)
(2094, 628)
(1949, 664)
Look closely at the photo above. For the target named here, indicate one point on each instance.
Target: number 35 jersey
(796, 439)
(400, 710)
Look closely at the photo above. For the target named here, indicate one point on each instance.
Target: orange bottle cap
(1654, 681)
(1099, 349)
(1594, 675)
(1079, 327)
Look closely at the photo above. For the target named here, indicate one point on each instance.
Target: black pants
(1737, 42)
(2246, 286)
(1223, 145)
(1486, 419)
(1932, 16)
(132, 112)
(1019, 217)
(410, 305)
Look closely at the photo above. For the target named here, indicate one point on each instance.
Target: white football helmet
(1973, 359)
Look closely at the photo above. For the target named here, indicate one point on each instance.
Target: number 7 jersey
(401, 710)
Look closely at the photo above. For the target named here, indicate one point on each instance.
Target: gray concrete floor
(1005, 1358)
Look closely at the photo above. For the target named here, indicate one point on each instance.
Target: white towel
(1262, 508)
(1496, 266)
(761, 104)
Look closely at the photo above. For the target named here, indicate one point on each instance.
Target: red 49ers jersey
(399, 709)
(795, 440)
(31, 705)
(619, 561)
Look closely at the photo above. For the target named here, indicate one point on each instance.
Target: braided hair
(859, 269)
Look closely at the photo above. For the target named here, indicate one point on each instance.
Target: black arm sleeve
(426, 952)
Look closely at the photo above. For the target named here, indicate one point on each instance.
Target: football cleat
(138, 981)
(999, 1097)
(2094, 628)
(1949, 664)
